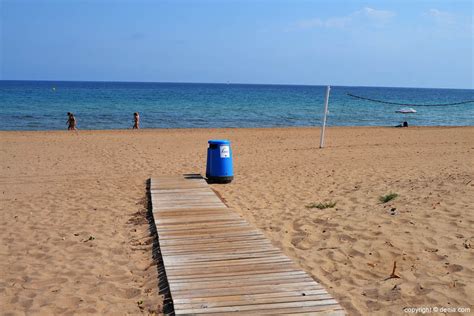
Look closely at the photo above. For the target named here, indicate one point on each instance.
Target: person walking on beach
(71, 121)
(136, 120)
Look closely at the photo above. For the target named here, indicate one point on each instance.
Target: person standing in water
(71, 121)
(136, 120)
(68, 120)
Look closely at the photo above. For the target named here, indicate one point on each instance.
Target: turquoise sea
(42, 105)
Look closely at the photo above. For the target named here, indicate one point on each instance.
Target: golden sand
(75, 238)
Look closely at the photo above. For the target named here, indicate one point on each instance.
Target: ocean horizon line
(232, 83)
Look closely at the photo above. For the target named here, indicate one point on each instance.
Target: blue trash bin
(219, 167)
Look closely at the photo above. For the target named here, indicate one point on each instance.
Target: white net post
(323, 127)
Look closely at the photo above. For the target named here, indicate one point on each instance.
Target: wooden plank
(240, 290)
(195, 200)
(194, 214)
(326, 310)
(211, 236)
(225, 267)
(229, 273)
(215, 239)
(179, 186)
(225, 284)
(185, 197)
(223, 273)
(174, 192)
(278, 307)
(232, 253)
(185, 207)
(220, 247)
(192, 217)
(230, 263)
(220, 257)
(204, 219)
(202, 225)
(199, 229)
(211, 231)
(243, 277)
(165, 204)
(206, 231)
(251, 301)
(218, 264)
(228, 244)
(257, 243)
(180, 206)
(198, 222)
(251, 297)
(191, 211)
(248, 249)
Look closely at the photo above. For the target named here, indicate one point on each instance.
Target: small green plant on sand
(387, 197)
(321, 206)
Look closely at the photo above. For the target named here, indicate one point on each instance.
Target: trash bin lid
(219, 142)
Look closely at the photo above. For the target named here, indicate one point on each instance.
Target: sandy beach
(75, 236)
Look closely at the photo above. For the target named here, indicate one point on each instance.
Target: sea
(42, 105)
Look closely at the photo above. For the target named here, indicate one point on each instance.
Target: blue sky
(363, 43)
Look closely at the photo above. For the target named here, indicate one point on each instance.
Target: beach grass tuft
(387, 197)
(322, 206)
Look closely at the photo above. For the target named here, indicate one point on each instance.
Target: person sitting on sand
(71, 121)
(136, 120)
(404, 124)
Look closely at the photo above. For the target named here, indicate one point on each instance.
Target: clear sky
(407, 43)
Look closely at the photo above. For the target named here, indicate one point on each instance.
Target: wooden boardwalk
(216, 263)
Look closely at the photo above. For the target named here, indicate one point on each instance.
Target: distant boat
(406, 110)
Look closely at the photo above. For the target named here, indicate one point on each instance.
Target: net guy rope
(217, 263)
